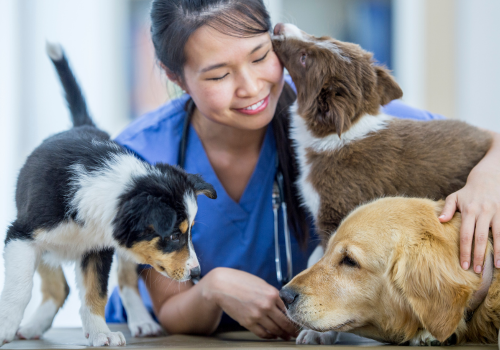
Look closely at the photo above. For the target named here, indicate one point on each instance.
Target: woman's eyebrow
(220, 65)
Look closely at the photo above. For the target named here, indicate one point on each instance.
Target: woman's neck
(233, 153)
(223, 138)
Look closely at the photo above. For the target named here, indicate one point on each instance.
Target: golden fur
(392, 271)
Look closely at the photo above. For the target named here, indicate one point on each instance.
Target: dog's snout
(289, 296)
(278, 29)
(195, 272)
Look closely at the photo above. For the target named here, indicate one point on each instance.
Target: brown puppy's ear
(331, 111)
(387, 87)
(427, 272)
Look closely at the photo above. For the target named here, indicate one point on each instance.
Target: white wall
(94, 34)
(478, 68)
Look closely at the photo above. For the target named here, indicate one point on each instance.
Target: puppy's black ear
(202, 187)
(387, 87)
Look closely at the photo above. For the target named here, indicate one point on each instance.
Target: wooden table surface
(72, 338)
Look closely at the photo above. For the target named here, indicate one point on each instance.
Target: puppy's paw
(310, 337)
(145, 329)
(32, 331)
(7, 332)
(424, 338)
(106, 339)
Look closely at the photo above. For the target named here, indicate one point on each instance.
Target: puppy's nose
(195, 272)
(278, 29)
(289, 296)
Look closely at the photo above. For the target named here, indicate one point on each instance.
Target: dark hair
(173, 22)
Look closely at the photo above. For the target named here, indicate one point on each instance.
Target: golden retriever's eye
(303, 59)
(348, 261)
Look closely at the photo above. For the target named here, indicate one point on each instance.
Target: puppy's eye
(149, 229)
(303, 59)
(348, 261)
(174, 237)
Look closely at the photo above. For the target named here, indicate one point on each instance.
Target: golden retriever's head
(337, 82)
(390, 270)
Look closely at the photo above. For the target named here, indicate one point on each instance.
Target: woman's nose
(248, 85)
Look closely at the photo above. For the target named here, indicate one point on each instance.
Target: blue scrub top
(226, 233)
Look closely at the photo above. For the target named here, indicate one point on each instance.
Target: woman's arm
(479, 203)
(179, 305)
(187, 308)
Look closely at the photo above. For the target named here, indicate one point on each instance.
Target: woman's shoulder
(399, 109)
(155, 136)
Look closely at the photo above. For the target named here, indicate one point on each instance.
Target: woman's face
(233, 81)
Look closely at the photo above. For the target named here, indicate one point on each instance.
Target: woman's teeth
(255, 106)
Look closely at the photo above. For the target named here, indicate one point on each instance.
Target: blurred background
(445, 54)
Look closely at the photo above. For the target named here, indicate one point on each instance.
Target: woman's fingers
(449, 209)
(466, 235)
(261, 332)
(274, 328)
(284, 323)
(481, 240)
(495, 228)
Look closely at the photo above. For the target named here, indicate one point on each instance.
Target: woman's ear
(174, 77)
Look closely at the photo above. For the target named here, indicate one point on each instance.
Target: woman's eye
(303, 59)
(347, 260)
(262, 58)
(219, 78)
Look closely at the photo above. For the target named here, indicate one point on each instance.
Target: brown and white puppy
(404, 286)
(348, 152)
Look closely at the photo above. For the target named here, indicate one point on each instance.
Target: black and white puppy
(80, 197)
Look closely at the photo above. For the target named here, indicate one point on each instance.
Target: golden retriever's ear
(427, 271)
(387, 87)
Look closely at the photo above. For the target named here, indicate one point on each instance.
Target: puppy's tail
(74, 96)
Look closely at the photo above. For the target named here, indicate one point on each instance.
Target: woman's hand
(479, 203)
(251, 301)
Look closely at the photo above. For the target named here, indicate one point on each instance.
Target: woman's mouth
(256, 107)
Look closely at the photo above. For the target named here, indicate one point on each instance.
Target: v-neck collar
(241, 210)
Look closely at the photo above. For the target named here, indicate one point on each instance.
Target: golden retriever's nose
(289, 296)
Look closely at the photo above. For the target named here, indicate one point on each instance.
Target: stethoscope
(278, 199)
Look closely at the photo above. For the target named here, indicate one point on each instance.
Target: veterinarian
(220, 53)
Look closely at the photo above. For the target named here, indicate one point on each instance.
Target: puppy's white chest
(300, 136)
(69, 241)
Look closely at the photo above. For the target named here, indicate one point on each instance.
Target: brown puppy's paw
(310, 337)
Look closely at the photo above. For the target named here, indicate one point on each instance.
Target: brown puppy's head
(390, 270)
(337, 82)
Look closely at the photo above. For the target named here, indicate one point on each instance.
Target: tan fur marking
(54, 285)
(173, 264)
(183, 227)
(93, 300)
(127, 274)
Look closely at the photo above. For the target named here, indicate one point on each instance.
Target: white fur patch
(40, 321)
(292, 31)
(303, 139)
(139, 321)
(21, 260)
(192, 208)
(54, 50)
(310, 337)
